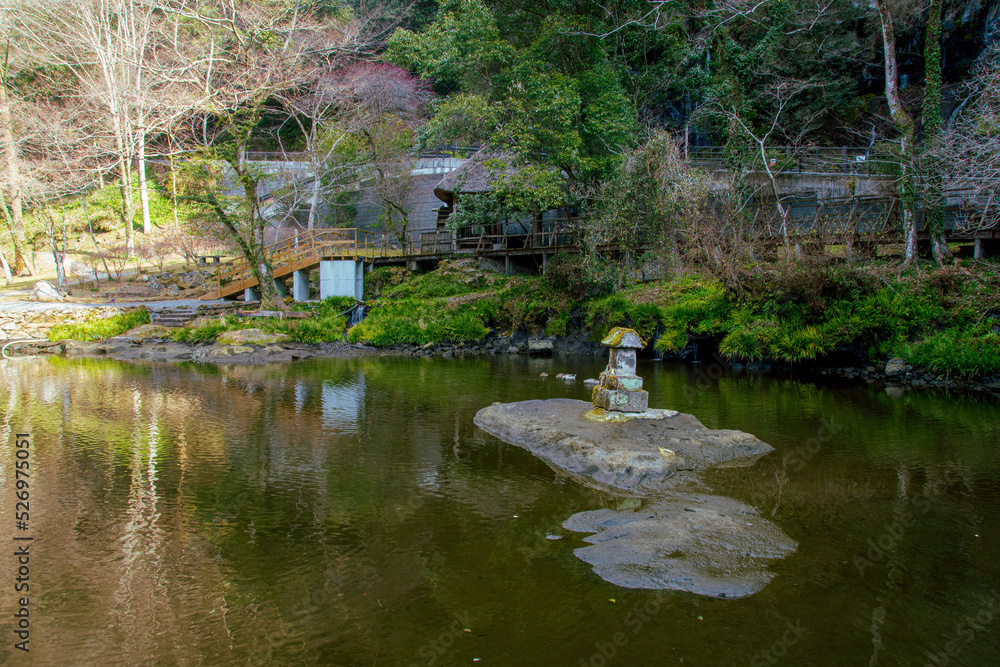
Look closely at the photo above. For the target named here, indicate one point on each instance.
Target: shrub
(568, 273)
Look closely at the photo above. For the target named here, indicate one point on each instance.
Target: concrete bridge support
(280, 287)
(300, 285)
(251, 294)
(344, 277)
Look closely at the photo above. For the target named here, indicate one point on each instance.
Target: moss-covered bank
(946, 321)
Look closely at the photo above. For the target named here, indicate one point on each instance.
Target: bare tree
(258, 53)
(782, 93)
(120, 53)
(12, 160)
(389, 103)
(970, 149)
(58, 162)
(903, 122)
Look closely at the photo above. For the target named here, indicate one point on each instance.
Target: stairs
(180, 316)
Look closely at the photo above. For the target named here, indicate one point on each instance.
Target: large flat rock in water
(635, 455)
(702, 544)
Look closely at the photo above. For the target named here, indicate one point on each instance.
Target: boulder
(895, 366)
(632, 455)
(45, 291)
(540, 346)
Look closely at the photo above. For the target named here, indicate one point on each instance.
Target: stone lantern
(619, 388)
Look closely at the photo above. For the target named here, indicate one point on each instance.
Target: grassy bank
(945, 320)
(327, 324)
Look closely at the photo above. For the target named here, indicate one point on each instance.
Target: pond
(348, 512)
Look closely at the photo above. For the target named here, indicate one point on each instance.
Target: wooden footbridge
(870, 220)
(297, 255)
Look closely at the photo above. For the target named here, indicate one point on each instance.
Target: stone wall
(36, 324)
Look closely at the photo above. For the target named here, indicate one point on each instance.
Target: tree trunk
(50, 232)
(173, 186)
(6, 267)
(125, 174)
(933, 197)
(314, 197)
(21, 263)
(147, 225)
(904, 125)
(251, 239)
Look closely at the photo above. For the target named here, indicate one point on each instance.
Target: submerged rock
(637, 454)
(702, 544)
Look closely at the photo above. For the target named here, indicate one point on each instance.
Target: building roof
(472, 177)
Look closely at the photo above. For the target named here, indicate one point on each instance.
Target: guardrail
(795, 159)
(299, 251)
(549, 234)
(447, 150)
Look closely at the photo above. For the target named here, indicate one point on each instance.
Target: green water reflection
(349, 512)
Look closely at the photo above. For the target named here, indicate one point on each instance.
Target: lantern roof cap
(622, 337)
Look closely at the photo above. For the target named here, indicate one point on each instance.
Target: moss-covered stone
(252, 336)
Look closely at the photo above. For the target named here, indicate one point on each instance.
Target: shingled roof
(473, 176)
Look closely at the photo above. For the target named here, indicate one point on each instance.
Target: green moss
(417, 321)
(99, 328)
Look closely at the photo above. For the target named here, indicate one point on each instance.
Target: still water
(348, 512)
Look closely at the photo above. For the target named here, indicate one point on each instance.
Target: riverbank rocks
(634, 455)
(699, 543)
(895, 366)
(541, 346)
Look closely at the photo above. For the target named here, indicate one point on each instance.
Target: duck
(569, 376)
(544, 375)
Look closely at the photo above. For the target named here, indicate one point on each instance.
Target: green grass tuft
(100, 328)
(417, 321)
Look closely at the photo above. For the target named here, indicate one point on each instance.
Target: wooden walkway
(303, 251)
(834, 221)
(306, 250)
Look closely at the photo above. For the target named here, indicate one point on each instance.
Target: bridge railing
(795, 159)
(300, 249)
(551, 233)
(445, 150)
